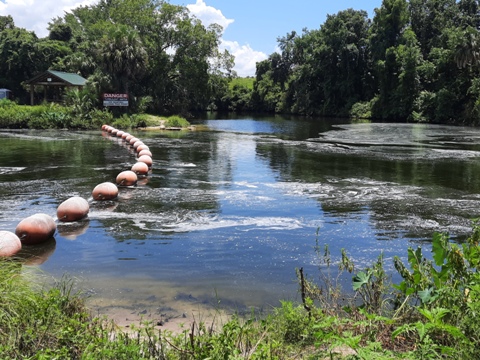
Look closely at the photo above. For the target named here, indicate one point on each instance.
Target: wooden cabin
(54, 83)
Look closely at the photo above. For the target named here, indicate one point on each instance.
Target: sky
(251, 27)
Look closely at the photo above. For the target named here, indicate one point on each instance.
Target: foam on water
(7, 170)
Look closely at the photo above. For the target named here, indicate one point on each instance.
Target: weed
(176, 121)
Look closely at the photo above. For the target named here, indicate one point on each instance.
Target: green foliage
(52, 116)
(245, 82)
(123, 46)
(124, 122)
(176, 121)
(361, 110)
(446, 290)
(37, 322)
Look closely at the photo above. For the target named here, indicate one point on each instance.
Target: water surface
(232, 209)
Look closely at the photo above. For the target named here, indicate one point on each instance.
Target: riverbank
(170, 313)
(55, 116)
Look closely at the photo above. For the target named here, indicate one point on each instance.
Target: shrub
(124, 122)
(176, 121)
(361, 110)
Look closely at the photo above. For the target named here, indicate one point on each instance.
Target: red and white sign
(115, 99)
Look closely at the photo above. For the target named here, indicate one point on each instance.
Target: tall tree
(327, 68)
(121, 53)
(428, 19)
(18, 54)
(389, 24)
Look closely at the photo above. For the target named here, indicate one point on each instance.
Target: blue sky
(251, 27)
(260, 22)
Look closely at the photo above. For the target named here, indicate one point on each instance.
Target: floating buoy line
(39, 228)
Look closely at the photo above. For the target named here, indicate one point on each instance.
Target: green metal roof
(56, 77)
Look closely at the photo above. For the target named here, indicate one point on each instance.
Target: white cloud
(245, 57)
(208, 14)
(34, 15)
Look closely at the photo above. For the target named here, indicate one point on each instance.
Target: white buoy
(10, 243)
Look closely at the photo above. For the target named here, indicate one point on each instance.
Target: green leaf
(439, 249)
(360, 279)
(427, 295)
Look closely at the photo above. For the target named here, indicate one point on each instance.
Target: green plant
(428, 333)
(176, 121)
(371, 285)
(81, 102)
(361, 110)
(124, 122)
(446, 290)
(144, 103)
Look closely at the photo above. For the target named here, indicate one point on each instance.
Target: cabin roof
(53, 77)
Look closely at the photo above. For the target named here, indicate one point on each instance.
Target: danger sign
(110, 99)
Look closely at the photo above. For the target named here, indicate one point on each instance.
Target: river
(231, 209)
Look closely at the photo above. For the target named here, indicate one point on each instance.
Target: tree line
(416, 60)
(157, 52)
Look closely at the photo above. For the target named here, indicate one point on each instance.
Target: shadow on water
(229, 212)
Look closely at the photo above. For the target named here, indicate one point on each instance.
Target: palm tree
(467, 50)
(122, 54)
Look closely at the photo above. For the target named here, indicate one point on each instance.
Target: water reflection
(37, 254)
(72, 230)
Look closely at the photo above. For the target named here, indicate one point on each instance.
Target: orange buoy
(146, 159)
(104, 127)
(10, 244)
(140, 168)
(142, 147)
(73, 209)
(133, 140)
(137, 144)
(120, 133)
(35, 229)
(124, 135)
(114, 131)
(127, 178)
(144, 152)
(105, 191)
(128, 138)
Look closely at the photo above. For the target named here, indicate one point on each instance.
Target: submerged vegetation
(431, 313)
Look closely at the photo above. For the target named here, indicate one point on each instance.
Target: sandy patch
(173, 321)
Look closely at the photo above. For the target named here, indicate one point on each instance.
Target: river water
(231, 209)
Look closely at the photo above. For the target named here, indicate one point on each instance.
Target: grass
(432, 313)
(54, 116)
(246, 82)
